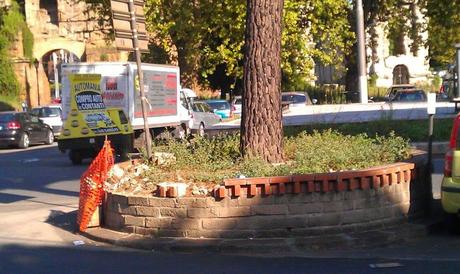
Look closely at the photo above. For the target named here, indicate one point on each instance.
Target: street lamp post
(361, 52)
(457, 71)
(36, 64)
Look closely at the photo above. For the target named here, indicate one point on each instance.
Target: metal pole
(38, 85)
(457, 71)
(56, 76)
(430, 141)
(361, 52)
(429, 169)
(148, 139)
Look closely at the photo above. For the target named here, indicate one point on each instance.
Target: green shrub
(212, 160)
(210, 154)
(9, 103)
(9, 85)
(333, 151)
(28, 42)
(372, 80)
(327, 94)
(413, 130)
(11, 24)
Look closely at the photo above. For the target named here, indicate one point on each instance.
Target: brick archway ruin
(50, 62)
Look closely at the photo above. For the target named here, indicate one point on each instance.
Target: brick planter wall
(289, 206)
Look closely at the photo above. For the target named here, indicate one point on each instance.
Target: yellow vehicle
(450, 187)
(89, 122)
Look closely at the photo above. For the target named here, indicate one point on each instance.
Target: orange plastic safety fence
(92, 185)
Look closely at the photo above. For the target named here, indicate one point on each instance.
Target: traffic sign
(122, 26)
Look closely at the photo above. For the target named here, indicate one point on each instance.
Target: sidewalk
(327, 245)
(355, 113)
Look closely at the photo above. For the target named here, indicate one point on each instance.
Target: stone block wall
(277, 215)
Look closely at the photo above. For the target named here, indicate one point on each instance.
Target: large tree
(313, 30)
(261, 125)
(443, 30)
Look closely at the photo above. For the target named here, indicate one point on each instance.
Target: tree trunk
(352, 75)
(261, 123)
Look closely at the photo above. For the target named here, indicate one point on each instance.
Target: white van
(50, 115)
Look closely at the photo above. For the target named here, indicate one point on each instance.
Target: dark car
(391, 93)
(21, 129)
(409, 95)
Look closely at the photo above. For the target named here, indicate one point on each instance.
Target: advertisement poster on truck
(89, 115)
(114, 91)
(161, 92)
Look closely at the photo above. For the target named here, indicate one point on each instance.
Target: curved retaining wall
(287, 206)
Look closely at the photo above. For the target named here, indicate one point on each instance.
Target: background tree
(206, 37)
(443, 30)
(313, 30)
(261, 125)
(178, 27)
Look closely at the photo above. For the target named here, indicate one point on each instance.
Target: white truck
(119, 88)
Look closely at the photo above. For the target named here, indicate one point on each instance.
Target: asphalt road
(38, 202)
(60, 260)
(36, 186)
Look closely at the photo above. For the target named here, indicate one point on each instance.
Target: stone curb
(299, 246)
(438, 147)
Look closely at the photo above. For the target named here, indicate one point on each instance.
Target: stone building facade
(406, 68)
(64, 32)
(389, 67)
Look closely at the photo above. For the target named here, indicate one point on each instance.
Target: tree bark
(261, 123)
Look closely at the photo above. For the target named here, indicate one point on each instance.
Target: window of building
(51, 7)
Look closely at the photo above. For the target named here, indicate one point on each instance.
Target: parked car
(296, 99)
(409, 95)
(237, 104)
(203, 117)
(220, 107)
(395, 88)
(50, 115)
(450, 185)
(21, 129)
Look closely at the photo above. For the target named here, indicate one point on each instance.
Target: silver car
(202, 117)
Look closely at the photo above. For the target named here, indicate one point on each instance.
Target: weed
(212, 160)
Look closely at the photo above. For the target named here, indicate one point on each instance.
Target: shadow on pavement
(64, 220)
(89, 259)
(42, 169)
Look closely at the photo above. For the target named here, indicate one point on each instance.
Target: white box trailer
(120, 90)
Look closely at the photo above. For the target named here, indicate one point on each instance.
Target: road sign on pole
(129, 24)
(122, 17)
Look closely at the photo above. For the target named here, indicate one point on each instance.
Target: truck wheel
(182, 131)
(75, 157)
(201, 130)
(452, 223)
(139, 142)
(123, 154)
(24, 142)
